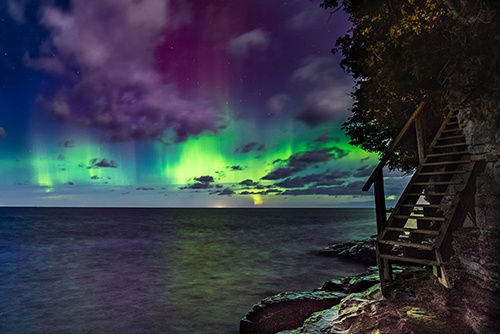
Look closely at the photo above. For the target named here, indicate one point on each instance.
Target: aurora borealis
(176, 103)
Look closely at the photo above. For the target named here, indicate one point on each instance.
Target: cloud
(352, 189)
(241, 46)
(104, 163)
(265, 192)
(204, 179)
(324, 105)
(226, 192)
(325, 138)
(279, 173)
(104, 50)
(300, 161)
(202, 182)
(3, 133)
(319, 179)
(235, 168)
(276, 103)
(364, 171)
(248, 183)
(329, 94)
(250, 147)
(197, 186)
(307, 17)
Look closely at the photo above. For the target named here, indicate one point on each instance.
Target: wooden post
(380, 209)
(419, 127)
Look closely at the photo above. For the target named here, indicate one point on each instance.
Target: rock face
(476, 264)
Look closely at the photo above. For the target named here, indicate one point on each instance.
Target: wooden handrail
(393, 146)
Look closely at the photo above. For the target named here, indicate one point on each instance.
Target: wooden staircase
(435, 202)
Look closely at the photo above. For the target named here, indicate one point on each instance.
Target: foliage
(403, 51)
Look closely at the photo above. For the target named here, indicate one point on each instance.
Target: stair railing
(377, 176)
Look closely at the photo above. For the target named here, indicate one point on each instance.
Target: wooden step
(430, 194)
(453, 123)
(412, 230)
(426, 218)
(437, 183)
(444, 172)
(451, 145)
(409, 259)
(456, 131)
(436, 155)
(443, 163)
(443, 138)
(406, 244)
(432, 206)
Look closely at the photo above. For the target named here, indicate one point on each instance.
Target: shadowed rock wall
(476, 266)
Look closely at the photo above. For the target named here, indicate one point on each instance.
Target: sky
(177, 103)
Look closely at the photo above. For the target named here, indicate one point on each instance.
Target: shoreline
(354, 304)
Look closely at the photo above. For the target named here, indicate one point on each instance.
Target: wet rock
(286, 311)
(362, 251)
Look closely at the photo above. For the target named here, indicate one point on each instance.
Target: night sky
(180, 103)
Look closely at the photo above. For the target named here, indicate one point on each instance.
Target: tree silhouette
(403, 51)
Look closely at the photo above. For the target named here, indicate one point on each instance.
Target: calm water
(161, 270)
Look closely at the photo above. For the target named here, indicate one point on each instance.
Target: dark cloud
(250, 147)
(197, 186)
(204, 179)
(313, 117)
(104, 163)
(226, 192)
(235, 168)
(303, 160)
(69, 183)
(364, 159)
(3, 133)
(202, 182)
(279, 173)
(144, 188)
(319, 179)
(352, 189)
(325, 138)
(94, 177)
(60, 157)
(265, 192)
(248, 183)
(364, 171)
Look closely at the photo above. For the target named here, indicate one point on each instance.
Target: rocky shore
(417, 304)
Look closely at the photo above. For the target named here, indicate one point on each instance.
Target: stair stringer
(407, 204)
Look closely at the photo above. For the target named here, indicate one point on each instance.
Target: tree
(401, 52)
